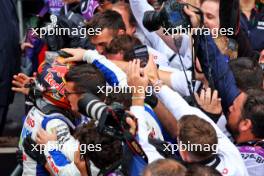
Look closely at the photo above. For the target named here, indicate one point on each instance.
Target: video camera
(171, 15)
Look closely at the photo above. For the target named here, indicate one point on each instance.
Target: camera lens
(91, 106)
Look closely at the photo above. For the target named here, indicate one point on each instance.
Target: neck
(247, 5)
(246, 138)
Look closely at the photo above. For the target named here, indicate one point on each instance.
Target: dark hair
(87, 78)
(108, 151)
(247, 72)
(165, 167)
(112, 1)
(127, 8)
(109, 19)
(195, 130)
(254, 110)
(124, 98)
(123, 43)
(201, 170)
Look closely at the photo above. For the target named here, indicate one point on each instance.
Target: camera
(170, 16)
(139, 52)
(112, 119)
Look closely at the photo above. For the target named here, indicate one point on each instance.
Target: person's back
(253, 155)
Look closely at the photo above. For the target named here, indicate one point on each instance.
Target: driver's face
(72, 96)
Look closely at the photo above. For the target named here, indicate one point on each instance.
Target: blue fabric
(222, 75)
(138, 165)
(254, 29)
(41, 171)
(109, 75)
(59, 158)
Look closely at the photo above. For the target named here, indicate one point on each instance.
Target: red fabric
(41, 55)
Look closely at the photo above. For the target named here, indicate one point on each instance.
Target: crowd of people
(124, 98)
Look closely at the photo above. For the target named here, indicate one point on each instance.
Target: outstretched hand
(209, 101)
(136, 77)
(19, 82)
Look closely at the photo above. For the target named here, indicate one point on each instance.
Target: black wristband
(152, 101)
(214, 117)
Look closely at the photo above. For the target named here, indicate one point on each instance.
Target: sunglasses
(66, 93)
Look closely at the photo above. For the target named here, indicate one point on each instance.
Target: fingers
(151, 61)
(43, 136)
(17, 84)
(21, 79)
(18, 78)
(68, 50)
(132, 125)
(24, 91)
(197, 98)
(28, 45)
(151, 70)
(69, 59)
(72, 52)
(208, 94)
(202, 97)
(137, 67)
(129, 72)
(23, 76)
(134, 69)
(215, 97)
(219, 102)
(194, 19)
(188, 11)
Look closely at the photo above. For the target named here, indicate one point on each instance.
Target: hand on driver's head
(77, 54)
